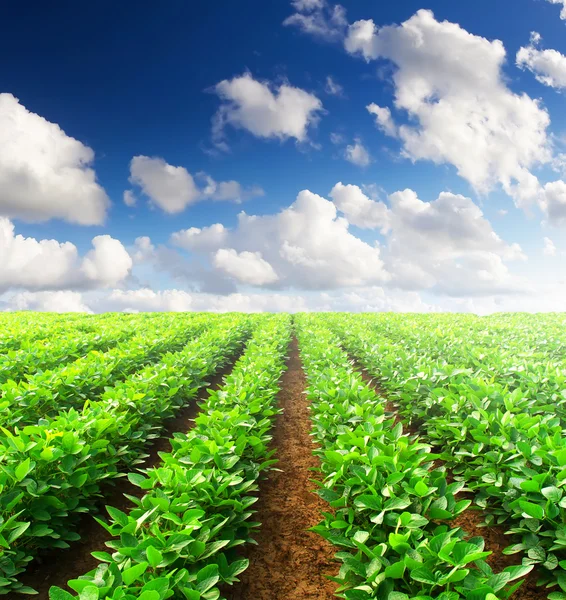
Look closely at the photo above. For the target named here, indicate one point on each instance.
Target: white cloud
(307, 5)
(359, 209)
(130, 198)
(143, 249)
(231, 191)
(170, 188)
(554, 202)
(563, 9)
(333, 88)
(173, 189)
(548, 66)
(449, 247)
(246, 267)
(317, 18)
(49, 302)
(336, 138)
(44, 173)
(549, 247)
(108, 263)
(49, 265)
(466, 114)
(383, 119)
(357, 154)
(307, 245)
(205, 239)
(181, 301)
(265, 110)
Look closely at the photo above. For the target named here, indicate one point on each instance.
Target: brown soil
(58, 566)
(289, 562)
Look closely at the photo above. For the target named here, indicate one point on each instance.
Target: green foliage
(389, 504)
(180, 538)
(53, 471)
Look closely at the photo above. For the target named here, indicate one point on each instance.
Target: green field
(437, 443)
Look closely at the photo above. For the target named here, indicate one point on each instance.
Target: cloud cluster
(563, 9)
(50, 265)
(357, 154)
(548, 66)
(44, 173)
(173, 189)
(306, 246)
(263, 109)
(446, 245)
(318, 18)
(466, 115)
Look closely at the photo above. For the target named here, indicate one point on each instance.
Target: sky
(283, 156)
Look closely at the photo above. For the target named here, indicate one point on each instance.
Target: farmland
(360, 456)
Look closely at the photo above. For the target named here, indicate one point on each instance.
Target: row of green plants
(53, 471)
(63, 347)
(390, 507)
(505, 443)
(19, 330)
(181, 538)
(46, 393)
(526, 352)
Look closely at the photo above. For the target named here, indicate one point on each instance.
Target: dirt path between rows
(289, 562)
(58, 566)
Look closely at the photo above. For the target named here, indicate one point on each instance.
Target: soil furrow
(289, 562)
(56, 567)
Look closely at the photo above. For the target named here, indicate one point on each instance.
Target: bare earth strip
(289, 562)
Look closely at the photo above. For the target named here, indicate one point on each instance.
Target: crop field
(251, 457)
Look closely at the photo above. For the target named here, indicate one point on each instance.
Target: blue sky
(142, 80)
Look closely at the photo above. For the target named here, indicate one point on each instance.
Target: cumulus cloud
(44, 173)
(50, 265)
(130, 198)
(170, 188)
(174, 300)
(562, 10)
(359, 209)
(230, 191)
(549, 247)
(548, 66)
(263, 109)
(383, 119)
(245, 267)
(449, 247)
(318, 18)
(333, 88)
(466, 115)
(553, 202)
(357, 154)
(307, 245)
(61, 302)
(173, 189)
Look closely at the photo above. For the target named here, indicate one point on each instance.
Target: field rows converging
(253, 457)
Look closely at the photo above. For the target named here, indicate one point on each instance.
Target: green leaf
(421, 488)
(531, 510)
(154, 557)
(90, 592)
(207, 578)
(552, 493)
(56, 593)
(134, 573)
(396, 570)
(23, 469)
